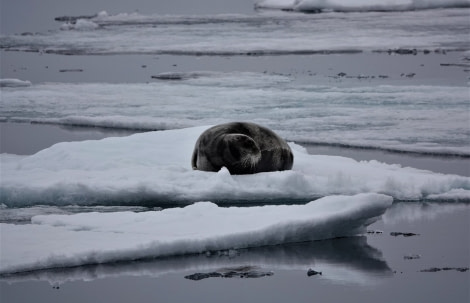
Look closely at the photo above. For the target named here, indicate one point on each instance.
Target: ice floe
(23, 215)
(89, 238)
(14, 83)
(422, 119)
(80, 24)
(360, 6)
(153, 168)
(259, 34)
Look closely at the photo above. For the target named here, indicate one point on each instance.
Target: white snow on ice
(80, 24)
(154, 168)
(427, 119)
(14, 83)
(360, 5)
(71, 240)
(262, 33)
(23, 215)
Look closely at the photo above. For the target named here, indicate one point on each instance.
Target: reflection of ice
(347, 260)
(411, 212)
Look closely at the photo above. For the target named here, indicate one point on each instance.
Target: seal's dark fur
(243, 148)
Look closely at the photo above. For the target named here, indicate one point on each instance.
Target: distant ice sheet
(90, 238)
(151, 169)
(260, 34)
(422, 119)
(14, 83)
(23, 215)
(360, 6)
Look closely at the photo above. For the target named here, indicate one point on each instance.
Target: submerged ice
(70, 240)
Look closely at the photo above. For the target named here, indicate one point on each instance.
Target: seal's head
(241, 153)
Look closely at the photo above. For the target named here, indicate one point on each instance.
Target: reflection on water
(345, 260)
(413, 211)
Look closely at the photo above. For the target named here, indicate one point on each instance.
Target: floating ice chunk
(154, 168)
(421, 119)
(90, 238)
(456, 194)
(80, 24)
(24, 214)
(359, 6)
(257, 34)
(14, 83)
(276, 4)
(102, 14)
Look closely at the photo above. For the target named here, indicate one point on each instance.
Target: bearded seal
(243, 148)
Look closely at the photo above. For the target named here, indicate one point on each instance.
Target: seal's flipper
(194, 159)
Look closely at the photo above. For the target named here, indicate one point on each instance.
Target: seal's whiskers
(250, 160)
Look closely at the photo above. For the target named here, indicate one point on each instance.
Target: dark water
(28, 139)
(361, 69)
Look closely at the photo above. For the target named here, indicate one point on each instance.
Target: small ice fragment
(412, 257)
(14, 83)
(312, 272)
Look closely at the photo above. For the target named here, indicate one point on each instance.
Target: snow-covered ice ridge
(421, 119)
(153, 168)
(71, 240)
(264, 33)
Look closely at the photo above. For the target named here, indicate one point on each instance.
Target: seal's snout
(250, 160)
